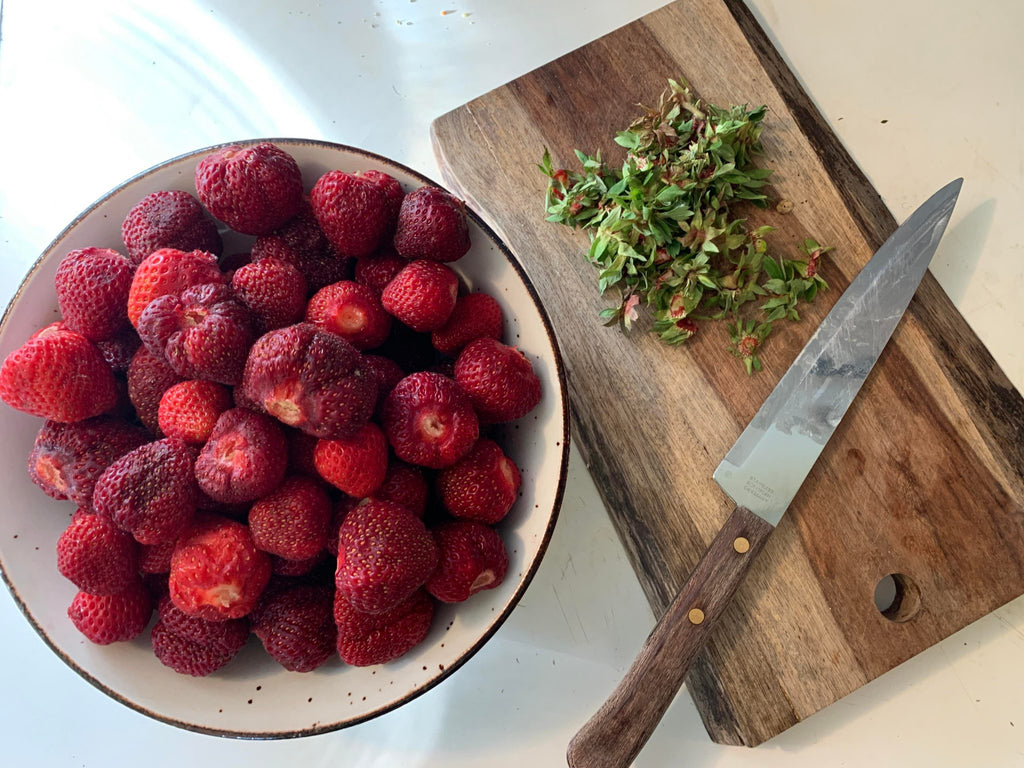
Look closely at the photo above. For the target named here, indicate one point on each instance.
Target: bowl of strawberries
(286, 436)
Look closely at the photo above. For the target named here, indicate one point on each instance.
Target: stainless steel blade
(768, 463)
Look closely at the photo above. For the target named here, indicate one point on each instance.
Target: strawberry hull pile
(296, 442)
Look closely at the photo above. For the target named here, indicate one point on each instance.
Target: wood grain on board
(923, 478)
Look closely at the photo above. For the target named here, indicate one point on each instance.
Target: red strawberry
(189, 410)
(293, 520)
(309, 379)
(429, 421)
(352, 212)
(193, 646)
(106, 619)
(149, 376)
(204, 332)
(499, 380)
(296, 626)
(387, 373)
(156, 558)
(169, 271)
(67, 459)
(244, 459)
(432, 225)
(393, 195)
(302, 244)
(97, 556)
(476, 316)
(378, 269)
(422, 295)
(352, 311)
(216, 571)
(59, 375)
(273, 290)
(282, 566)
(482, 486)
(472, 557)
(365, 639)
(385, 553)
(150, 491)
(119, 350)
(341, 509)
(406, 485)
(254, 190)
(356, 464)
(92, 291)
(168, 219)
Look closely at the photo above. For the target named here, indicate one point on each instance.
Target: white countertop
(920, 92)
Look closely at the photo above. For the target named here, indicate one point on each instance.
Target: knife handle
(620, 728)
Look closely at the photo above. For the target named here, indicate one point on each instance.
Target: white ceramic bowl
(253, 697)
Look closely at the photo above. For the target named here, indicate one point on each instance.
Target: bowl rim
(528, 573)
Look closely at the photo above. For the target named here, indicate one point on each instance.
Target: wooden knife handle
(620, 728)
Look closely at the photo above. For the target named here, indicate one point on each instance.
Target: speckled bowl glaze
(253, 697)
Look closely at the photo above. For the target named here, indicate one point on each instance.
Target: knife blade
(762, 474)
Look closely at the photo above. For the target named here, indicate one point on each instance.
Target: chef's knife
(762, 473)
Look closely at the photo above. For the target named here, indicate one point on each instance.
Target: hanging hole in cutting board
(897, 597)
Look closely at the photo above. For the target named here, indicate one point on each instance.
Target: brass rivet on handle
(696, 615)
(741, 545)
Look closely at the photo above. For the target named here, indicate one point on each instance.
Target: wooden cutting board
(924, 478)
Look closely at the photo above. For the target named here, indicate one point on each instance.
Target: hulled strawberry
(296, 626)
(482, 486)
(498, 379)
(429, 421)
(254, 189)
(366, 639)
(217, 572)
(352, 311)
(169, 271)
(245, 458)
(292, 521)
(92, 291)
(194, 646)
(309, 379)
(475, 316)
(97, 556)
(168, 219)
(352, 212)
(471, 558)
(432, 225)
(356, 464)
(106, 619)
(273, 290)
(422, 295)
(189, 410)
(59, 375)
(149, 376)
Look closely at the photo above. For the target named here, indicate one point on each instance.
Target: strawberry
(429, 421)
(282, 566)
(303, 244)
(245, 458)
(343, 506)
(365, 639)
(498, 379)
(293, 520)
(119, 350)
(393, 195)
(351, 210)
(168, 219)
(273, 290)
(92, 291)
(356, 464)
(378, 269)
(149, 376)
(216, 571)
(422, 295)
(385, 553)
(406, 485)
(296, 626)
(59, 375)
(150, 491)
(203, 332)
(97, 556)
(106, 619)
(193, 646)
(169, 271)
(432, 225)
(352, 311)
(471, 558)
(156, 558)
(254, 190)
(67, 459)
(482, 486)
(475, 316)
(189, 410)
(309, 379)
(386, 372)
